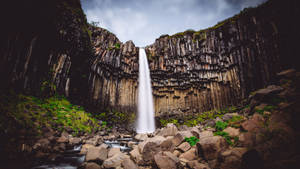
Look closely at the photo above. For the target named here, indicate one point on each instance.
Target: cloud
(143, 20)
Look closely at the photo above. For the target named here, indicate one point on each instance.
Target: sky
(143, 21)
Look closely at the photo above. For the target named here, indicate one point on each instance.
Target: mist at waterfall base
(145, 120)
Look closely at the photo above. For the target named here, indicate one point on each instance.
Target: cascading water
(145, 122)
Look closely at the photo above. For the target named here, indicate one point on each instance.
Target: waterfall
(145, 121)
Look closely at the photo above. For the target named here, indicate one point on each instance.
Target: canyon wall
(48, 47)
(195, 71)
(114, 73)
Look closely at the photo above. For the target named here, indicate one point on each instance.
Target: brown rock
(185, 146)
(169, 130)
(96, 154)
(167, 145)
(136, 156)
(163, 161)
(85, 148)
(196, 165)
(254, 124)
(141, 137)
(92, 165)
(179, 137)
(233, 132)
(113, 151)
(129, 164)
(206, 134)
(212, 146)
(232, 159)
(115, 160)
(189, 155)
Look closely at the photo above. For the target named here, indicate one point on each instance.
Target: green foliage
(55, 112)
(220, 126)
(225, 135)
(268, 108)
(191, 140)
(235, 121)
(164, 122)
(117, 46)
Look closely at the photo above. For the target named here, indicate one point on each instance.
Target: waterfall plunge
(145, 122)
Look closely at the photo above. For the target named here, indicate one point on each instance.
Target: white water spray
(145, 123)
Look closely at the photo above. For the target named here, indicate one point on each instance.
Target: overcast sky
(145, 20)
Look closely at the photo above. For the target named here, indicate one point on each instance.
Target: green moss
(191, 140)
(164, 122)
(55, 112)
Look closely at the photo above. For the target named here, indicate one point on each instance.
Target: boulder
(167, 145)
(179, 137)
(85, 148)
(115, 160)
(113, 151)
(176, 153)
(195, 131)
(210, 147)
(204, 134)
(129, 164)
(62, 139)
(196, 165)
(98, 154)
(185, 146)
(166, 160)
(233, 132)
(232, 159)
(141, 137)
(92, 165)
(264, 94)
(136, 156)
(287, 73)
(228, 116)
(254, 124)
(189, 155)
(169, 130)
(74, 140)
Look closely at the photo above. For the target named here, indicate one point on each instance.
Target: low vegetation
(54, 112)
(191, 140)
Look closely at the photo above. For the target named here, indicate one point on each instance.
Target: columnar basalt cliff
(45, 47)
(219, 66)
(113, 77)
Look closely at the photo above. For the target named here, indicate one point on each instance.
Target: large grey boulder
(169, 130)
(98, 154)
(166, 160)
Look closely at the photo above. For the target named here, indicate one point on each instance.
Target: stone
(150, 147)
(96, 154)
(233, 132)
(167, 145)
(62, 139)
(141, 137)
(115, 160)
(185, 146)
(210, 147)
(205, 134)
(179, 137)
(254, 124)
(136, 156)
(92, 165)
(228, 116)
(74, 140)
(196, 165)
(163, 161)
(189, 155)
(113, 151)
(85, 148)
(195, 131)
(128, 164)
(176, 153)
(263, 94)
(169, 130)
(287, 73)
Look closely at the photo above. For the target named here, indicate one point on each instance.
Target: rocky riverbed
(262, 135)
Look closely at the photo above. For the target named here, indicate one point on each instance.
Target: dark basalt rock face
(219, 66)
(45, 47)
(48, 46)
(114, 73)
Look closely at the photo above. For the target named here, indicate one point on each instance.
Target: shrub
(220, 126)
(191, 140)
